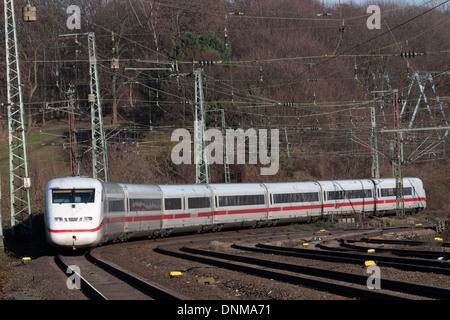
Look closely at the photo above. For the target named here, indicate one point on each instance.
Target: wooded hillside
(297, 66)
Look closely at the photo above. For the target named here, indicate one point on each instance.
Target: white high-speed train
(85, 212)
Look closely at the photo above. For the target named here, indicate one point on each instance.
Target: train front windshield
(73, 195)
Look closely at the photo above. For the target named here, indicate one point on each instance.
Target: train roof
(85, 182)
(391, 181)
(74, 182)
(344, 184)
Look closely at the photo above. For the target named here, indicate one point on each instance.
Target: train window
(245, 200)
(336, 195)
(296, 197)
(388, 192)
(83, 196)
(196, 203)
(73, 195)
(392, 192)
(116, 205)
(357, 194)
(172, 203)
(62, 196)
(349, 194)
(145, 204)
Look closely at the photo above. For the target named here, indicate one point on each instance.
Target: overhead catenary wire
(245, 98)
(367, 41)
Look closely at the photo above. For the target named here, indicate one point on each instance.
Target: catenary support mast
(18, 160)
(200, 152)
(99, 144)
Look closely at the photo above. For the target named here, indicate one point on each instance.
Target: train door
(376, 196)
(214, 206)
(115, 211)
(129, 223)
(267, 197)
(322, 199)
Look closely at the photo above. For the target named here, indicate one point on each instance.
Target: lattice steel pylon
(200, 149)
(74, 161)
(379, 83)
(18, 159)
(99, 144)
(422, 80)
(374, 139)
(398, 162)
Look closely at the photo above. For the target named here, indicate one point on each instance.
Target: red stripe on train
(225, 212)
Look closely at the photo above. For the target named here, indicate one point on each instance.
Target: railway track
(100, 280)
(426, 254)
(400, 242)
(344, 284)
(354, 286)
(336, 255)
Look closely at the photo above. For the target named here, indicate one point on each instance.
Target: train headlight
(87, 218)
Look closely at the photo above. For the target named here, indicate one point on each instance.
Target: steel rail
(89, 290)
(399, 252)
(199, 256)
(143, 286)
(406, 264)
(390, 241)
(93, 293)
(339, 252)
(395, 285)
(399, 242)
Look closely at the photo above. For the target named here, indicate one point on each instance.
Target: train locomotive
(85, 212)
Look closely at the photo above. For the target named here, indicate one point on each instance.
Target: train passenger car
(239, 204)
(348, 196)
(298, 201)
(413, 193)
(186, 207)
(143, 210)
